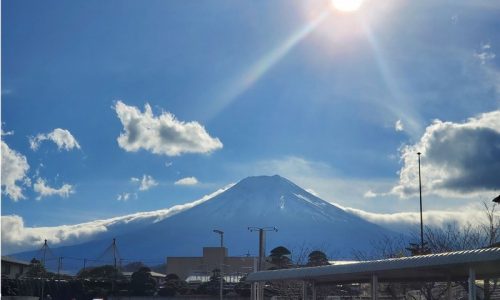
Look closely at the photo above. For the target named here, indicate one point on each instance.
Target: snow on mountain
(302, 219)
(16, 237)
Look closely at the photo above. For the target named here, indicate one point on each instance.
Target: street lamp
(421, 218)
(262, 253)
(221, 233)
(497, 199)
(221, 275)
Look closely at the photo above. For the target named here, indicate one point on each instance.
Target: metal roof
(15, 261)
(433, 267)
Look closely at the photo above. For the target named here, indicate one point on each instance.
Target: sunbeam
(259, 68)
(399, 104)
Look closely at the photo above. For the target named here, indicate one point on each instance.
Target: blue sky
(337, 102)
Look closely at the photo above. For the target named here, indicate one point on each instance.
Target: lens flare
(347, 5)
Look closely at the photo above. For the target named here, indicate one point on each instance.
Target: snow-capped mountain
(302, 219)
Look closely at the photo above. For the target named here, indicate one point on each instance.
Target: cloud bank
(14, 173)
(17, 237)
(473, 214)
(458, 159)
(61, 137)
(162, 134)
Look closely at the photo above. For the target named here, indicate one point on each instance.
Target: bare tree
(451, 237)
(492, 226)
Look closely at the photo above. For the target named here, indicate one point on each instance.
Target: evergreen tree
(280, 257)
(142, 283)
(317, 258)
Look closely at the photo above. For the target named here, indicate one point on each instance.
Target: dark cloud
(459, 158)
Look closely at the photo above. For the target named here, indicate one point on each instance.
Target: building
(200, 268)
(13, 268)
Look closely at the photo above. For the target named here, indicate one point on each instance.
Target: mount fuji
(302, 219)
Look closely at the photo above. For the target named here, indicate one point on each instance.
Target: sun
(347, 5)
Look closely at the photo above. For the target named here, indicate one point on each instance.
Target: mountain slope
(302, 219)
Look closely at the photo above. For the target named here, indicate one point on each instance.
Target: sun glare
(347, 5)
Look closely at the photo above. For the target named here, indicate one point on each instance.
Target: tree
(173, 286)
(242, 288)
(451, 237)
(105, 273)
(133, 266)
(317, 258)
(142, 283)
(36, 269)
(280, 257)
(211, 287)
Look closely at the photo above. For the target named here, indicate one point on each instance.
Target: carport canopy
(449, 266)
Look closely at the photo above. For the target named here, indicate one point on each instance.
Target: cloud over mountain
(162, 134)
(457, 158)
(18, 237)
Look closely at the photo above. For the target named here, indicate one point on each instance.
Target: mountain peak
(302, 219)
(264, 180)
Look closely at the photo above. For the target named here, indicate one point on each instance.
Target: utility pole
(59, 267)
(114, 252)
(262, 255)
(422, 250)
(113, 283)
(44, 248)
(221, 274)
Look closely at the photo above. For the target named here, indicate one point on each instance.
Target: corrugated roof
(423, 266)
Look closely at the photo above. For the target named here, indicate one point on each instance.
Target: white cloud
(485, 54)
(146, 182)
(61, 137)
(163, 134)
(370, 194)
(6, 133)
(458, 159)
(123, 197)
(187, 181)
(17, 237)
(473, 214)
(398, 126)
(168, 164)
(44, 190)
(14, 172)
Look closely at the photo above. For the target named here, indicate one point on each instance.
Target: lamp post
(221, 275)
(262, 254)
(421, 218)
(221, 233)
